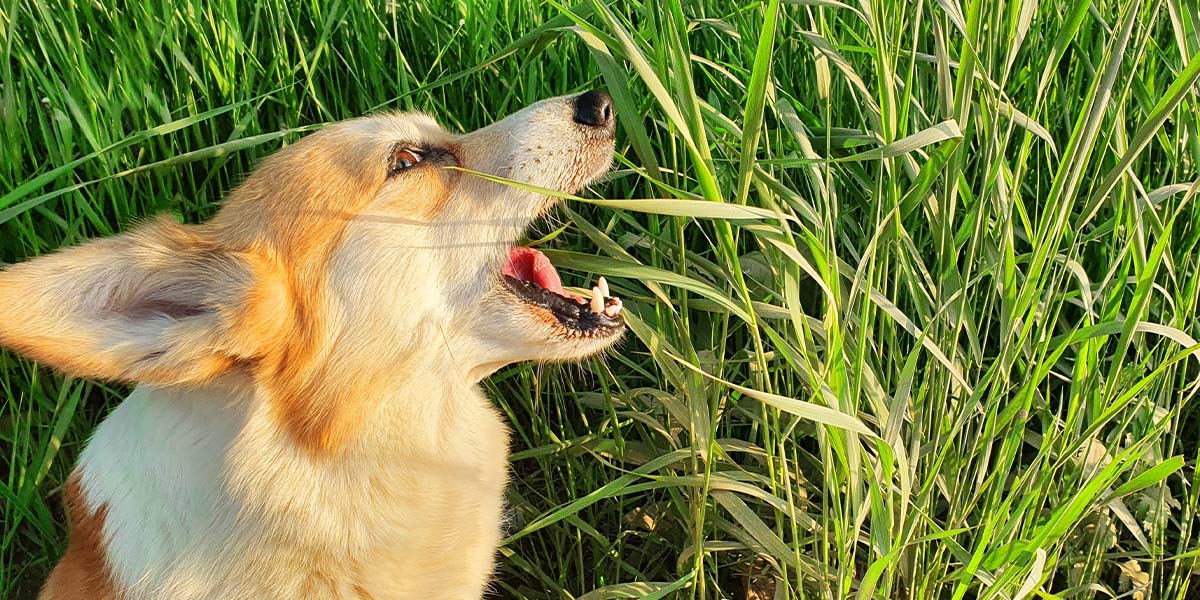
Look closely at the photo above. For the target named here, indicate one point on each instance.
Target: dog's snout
(595, 109)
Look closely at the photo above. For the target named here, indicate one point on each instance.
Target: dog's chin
(515, 332)
(528, 315)
(565, 318)
(549, 326)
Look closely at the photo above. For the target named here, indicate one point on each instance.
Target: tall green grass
(952, 354)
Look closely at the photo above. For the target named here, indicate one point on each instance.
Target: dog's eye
(404, 157)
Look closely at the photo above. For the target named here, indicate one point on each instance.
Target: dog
(307, 421)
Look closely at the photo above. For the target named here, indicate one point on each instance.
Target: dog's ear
(162, 304)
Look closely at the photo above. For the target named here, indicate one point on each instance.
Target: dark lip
(572, 315)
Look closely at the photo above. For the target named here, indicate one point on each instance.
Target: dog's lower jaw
(483, 371)
(206, 497)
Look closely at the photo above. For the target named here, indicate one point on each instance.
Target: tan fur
(83, 573)
(307, 423)
(65, 308)
(278, 229)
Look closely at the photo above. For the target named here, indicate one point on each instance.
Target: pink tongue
(527, 264)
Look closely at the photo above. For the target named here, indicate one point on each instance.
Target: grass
(956, 359)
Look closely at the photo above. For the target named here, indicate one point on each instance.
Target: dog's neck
(417, 403)
(260, 501)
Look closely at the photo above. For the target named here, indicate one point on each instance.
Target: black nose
(594, 109)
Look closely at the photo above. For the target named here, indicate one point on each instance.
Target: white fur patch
(206, 500)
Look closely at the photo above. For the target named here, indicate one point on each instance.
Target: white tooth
(603, 285)
(597, 300)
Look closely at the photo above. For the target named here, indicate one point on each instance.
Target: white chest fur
(207, 498)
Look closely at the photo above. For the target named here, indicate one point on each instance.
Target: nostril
(594, 109)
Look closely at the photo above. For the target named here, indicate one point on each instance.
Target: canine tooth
(597, 300)
(603, 285)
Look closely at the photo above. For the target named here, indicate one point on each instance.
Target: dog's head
(363, 252)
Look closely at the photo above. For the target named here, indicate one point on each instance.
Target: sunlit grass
(948, 353)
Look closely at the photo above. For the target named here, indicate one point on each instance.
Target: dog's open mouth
(529, 274)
